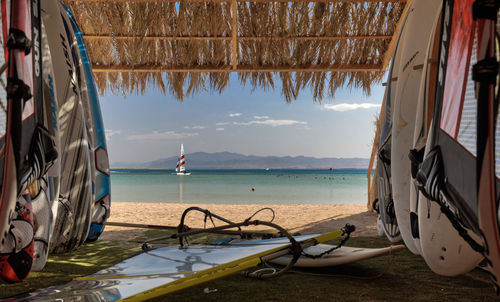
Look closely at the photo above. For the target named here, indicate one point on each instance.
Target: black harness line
(348, 229)
(296, 248)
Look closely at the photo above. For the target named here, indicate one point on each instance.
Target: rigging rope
(295, 247)
(183, 227)
(349, 229)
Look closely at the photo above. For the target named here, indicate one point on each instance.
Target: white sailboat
(180, 169)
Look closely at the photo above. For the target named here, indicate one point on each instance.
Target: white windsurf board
(443, 249)
(342, 255)
(386, 203)
(164, 270)
(418, 31)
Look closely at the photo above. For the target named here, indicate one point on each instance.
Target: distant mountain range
(228, 160)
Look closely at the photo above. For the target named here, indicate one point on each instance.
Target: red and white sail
(181, 162)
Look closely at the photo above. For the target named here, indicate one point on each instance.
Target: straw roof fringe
(187, 47)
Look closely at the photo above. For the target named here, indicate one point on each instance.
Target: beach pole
(372, 160)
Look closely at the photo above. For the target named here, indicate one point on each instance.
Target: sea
(338, 186)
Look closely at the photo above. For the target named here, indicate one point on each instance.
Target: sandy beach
(303, 218)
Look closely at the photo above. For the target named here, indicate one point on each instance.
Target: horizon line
(293, 156)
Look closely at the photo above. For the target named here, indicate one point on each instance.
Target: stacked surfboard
(84, 193)
(438, 182)
(59, 197)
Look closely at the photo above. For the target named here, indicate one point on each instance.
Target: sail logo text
(410, 60)
(36, 35)
(53, 106)
(36, 38)
(68, 63)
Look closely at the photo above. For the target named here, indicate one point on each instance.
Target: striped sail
(181, 161)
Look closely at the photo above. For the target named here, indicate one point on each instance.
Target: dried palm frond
(136, 44)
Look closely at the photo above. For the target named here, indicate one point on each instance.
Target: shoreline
(303, 218)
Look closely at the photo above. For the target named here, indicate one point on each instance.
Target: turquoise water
(235, 186)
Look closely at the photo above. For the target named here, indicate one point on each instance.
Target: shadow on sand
(366, 224)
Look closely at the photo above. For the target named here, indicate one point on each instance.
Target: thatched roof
(190, 45)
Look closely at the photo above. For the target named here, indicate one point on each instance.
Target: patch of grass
(62, 268)
(399, 277)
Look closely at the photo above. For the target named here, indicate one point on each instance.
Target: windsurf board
(418, 30)
(164, 270)
(16, 255)
(99, 161)
(7, 152)
(45, 192)
(75, 200)
(487, 146)
(340, 256)
(451, 151)
(444, 251)
(424, 109)
(385, 196)
(21, 163)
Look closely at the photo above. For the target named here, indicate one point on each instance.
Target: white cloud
(109, 133)
(222, 124)
(156, 135)
(234, 114)
(257, 117)
(194, 127)
(219, 129)
(272, 123)
(348, 107)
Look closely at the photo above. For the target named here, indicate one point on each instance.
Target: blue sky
(147, 127)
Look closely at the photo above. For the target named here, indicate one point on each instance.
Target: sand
(303, 218)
